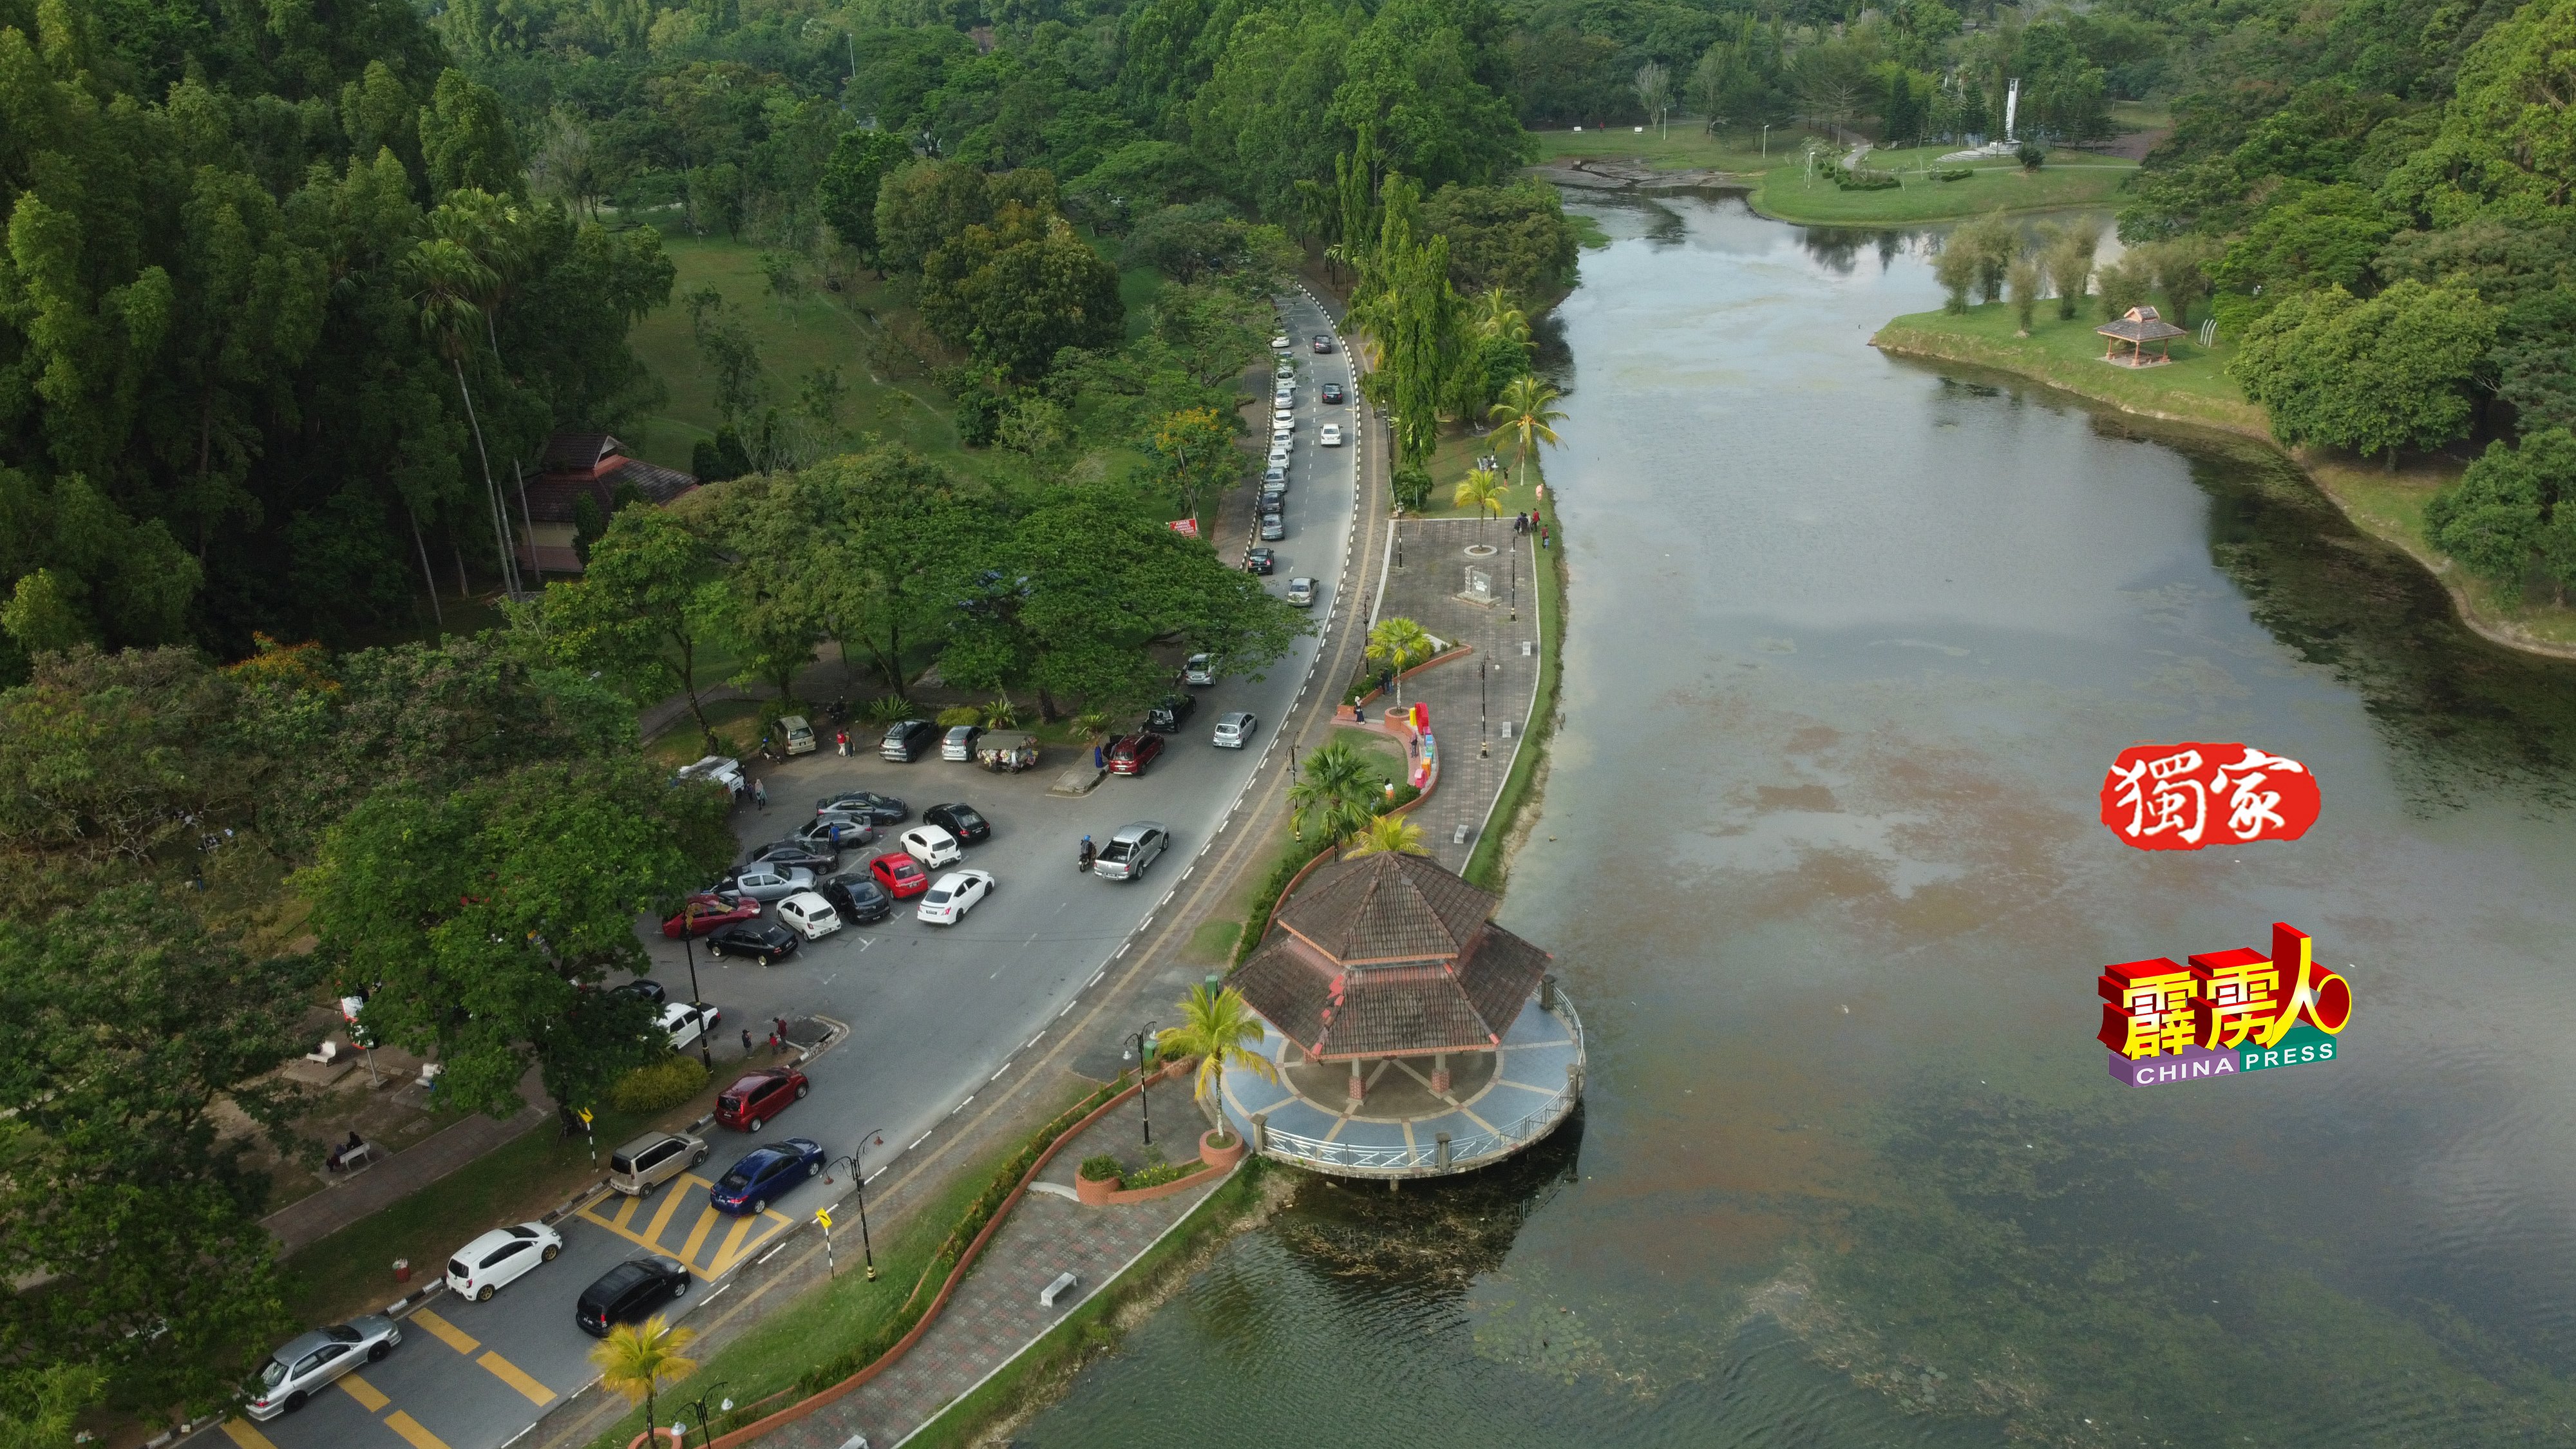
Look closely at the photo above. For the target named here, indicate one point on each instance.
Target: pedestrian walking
(1542, 536)
(760, 792)
(746, 1041)
(781, 1023)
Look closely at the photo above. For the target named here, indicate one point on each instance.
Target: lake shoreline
(1899, 339)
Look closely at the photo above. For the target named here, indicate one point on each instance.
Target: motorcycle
(1086, 854)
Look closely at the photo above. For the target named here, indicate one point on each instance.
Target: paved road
(935, 1015)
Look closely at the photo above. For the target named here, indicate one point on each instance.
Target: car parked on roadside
(856, 897)
(1272, 504)
(1274, 477)
(765, 1174)
(652, 1160)
(642, 988)
(1279, 343)
(961, 820)
(1168, 713)
(1330, 436)
(763, 941)
(905, 740)
(765, 883)
(960, 743)
(1130, 754)
(706, 912)
(1301, 592)
(863, 805)
(1234, 731)
(952, 895)
(1260, 561)
(759, 1097)
(306, 1362)
(1278, 458)
(1274, 527)
(1333, 393)
(901, 875)
(628, 1293)
(809, 914)
(1283, 416)
(1132, 849)
(500, 1258)
(932, 846)
(1199, 669)
(687, 1021)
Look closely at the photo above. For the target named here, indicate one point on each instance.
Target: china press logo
(2225, 1013)
(2183, 797)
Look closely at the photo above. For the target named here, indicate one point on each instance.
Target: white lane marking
(997, 1076)
(924, 1137)
(1033, 1041)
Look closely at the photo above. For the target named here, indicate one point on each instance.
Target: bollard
(1442, 1150)
(1547, 992)
(1261, 1132)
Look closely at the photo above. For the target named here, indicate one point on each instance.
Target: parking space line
(368, 1395)
(625, 1212)
(517, 1378)
(772, 1224)
(246, 1437)
(697, 1235)
(662, 1214)
(409, 1427)
(732, 1248)
(447, 1333)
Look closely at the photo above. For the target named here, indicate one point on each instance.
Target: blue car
(765, 1174)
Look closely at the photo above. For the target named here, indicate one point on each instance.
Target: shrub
(1162, 1172)
(960, 714)
(2030, 156)
(1865, 178)
(1101, 1167)
(659, 1087)
(1953, 173)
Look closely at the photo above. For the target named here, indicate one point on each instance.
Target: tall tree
(644, 609)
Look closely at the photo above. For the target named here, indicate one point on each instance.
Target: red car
(901, 875)
(1132, 754)
(704, 913)
(759, 1098)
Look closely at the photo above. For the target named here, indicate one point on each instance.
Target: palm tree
(1497, 317)
(446, 278)
(1399, 644)
(641, 1359)
(1332, 794)
(1221, 1031)
(1482, 492)
(1387, 835)
(1001, 714)
(1528, 412)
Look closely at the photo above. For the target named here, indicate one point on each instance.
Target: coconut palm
(1221, 1031)
(639, 1360)
(1528, 412)
(1399, 644)
(1333, 794)
(1497, 317)
(1481, 491)
(1094, 726)
(445, 277)
(1387, 835)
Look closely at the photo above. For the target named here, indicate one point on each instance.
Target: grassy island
(2067, 179)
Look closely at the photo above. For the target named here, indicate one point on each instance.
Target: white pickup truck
(721, 770)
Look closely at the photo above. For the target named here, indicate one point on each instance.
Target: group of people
(344, 1151)
(1529, 523)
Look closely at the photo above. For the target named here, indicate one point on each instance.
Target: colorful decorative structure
(2141, 326)
(1416, 1037)
(2185, 796)
(2227, 1012)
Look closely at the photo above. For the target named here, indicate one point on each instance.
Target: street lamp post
(859, 1191)
(689, 944)
(1484, 749)
(1136, 1042)
(706, 1431)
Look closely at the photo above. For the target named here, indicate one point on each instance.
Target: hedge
(659, 1087)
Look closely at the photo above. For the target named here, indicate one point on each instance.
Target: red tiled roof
(1387, 907)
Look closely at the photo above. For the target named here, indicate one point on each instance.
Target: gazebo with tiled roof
(2141, 326)
(1390, 956)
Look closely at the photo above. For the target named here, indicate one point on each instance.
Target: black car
(1260, 561)
(865, 805)
(1332, 392)
(767, 940)
(628, 1293)
(1165, 718)
(961, 820)
(645, 987)
(786, 854)
(857, 896)
(905, 742)
(1323, 342)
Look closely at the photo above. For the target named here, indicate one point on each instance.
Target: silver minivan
(960, 743)
(653, 1159)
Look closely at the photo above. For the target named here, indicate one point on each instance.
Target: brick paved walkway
(1426, 590)
(995, 1313)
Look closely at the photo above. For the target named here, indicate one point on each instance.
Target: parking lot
(932, 1014)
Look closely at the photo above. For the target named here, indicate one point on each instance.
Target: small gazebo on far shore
(2137, 329)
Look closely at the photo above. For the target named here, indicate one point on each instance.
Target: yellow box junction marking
(241, 1433)
(697, 1236)
(511, 1374)
(446, 1332)
(369, 1397)
(409, 1427)
(745, 1237)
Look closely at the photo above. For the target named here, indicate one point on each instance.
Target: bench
(353, 1158)
(1063, 1284)
(329, 1053)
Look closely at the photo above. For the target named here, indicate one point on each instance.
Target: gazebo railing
(1467, 1151)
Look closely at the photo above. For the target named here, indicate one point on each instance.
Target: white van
(800, 735)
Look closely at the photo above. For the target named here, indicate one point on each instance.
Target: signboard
(1185, 527)
(2226, 1012)
(2183, 797)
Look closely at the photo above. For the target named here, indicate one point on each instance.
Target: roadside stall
(1007, 751)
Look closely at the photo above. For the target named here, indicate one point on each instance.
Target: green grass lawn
(1680, 146)
(1454, 459)
(2192, 388)
(2069, 179)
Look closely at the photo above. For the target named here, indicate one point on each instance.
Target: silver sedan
(307, 1363)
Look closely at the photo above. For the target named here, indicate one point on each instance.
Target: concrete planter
(1220, 1157)
(1095, 1192)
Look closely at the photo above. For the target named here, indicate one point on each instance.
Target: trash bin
(402, 1270)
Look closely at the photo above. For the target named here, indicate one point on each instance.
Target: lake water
(1853, 641)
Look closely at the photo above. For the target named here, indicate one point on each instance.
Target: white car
(1278, 457)
(1283, 418)
(1234, 731)
(687, 1022)
(809, 915)
(953, 895)
(932, 846)
(1279, 343)
(1331, 437)
(500, 1258)
(1198, 669)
